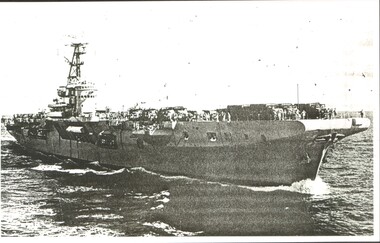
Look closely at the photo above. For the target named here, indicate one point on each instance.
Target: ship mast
(74, 72)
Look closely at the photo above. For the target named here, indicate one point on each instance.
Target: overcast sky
(207, 54)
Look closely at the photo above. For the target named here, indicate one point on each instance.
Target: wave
(161, 206)
(312, 187)
(315, 187)
(164, 195)
(59, 168)
(72, 189)
(171, 230)
(100, 216)
(176, 177)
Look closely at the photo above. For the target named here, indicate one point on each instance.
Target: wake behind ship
(261, 144)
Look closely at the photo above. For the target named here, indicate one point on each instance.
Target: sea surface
(46, 196)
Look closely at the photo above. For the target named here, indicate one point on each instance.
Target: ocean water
(46, 196)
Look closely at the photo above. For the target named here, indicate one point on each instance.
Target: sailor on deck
(303, 114)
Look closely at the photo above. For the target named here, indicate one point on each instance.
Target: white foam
(164, 200)
(140, 197)
(179, 177)
(71, 189)
(100, 216)
(47, 168)
(95, 208)
(108, 172)
(171, 230)
(59, 168)
(314, 187)
(267, 188)
(165, 193)
(161, 206)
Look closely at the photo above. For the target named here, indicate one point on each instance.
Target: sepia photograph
(207, 121)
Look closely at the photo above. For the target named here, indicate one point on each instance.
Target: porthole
(185, 135)
(211, 136)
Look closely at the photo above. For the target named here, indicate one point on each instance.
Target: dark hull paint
(250, 153)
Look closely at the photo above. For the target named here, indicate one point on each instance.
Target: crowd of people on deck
(173, 114)
(327, 113)
(27, 118)
(229, 114)
(165, 114)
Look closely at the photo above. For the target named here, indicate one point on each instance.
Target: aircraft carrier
(258, 144)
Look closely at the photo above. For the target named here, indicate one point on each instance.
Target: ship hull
(260, 153)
